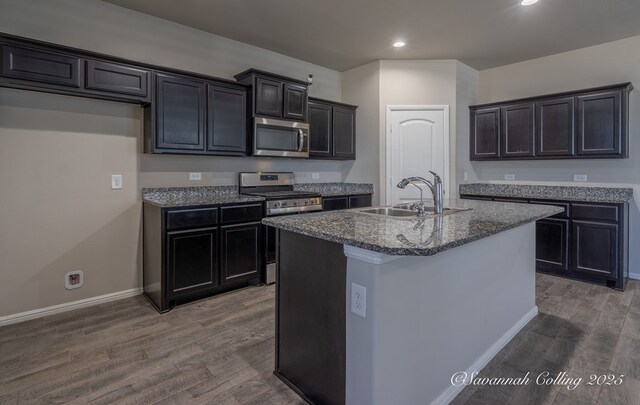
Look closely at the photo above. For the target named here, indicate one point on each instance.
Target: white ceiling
(343, 34)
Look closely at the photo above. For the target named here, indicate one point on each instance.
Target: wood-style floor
(220, 351)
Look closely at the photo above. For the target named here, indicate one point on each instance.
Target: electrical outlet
(73, 280)
(509, 176)
(195, 176)
(359, 300)
(466, 176)
(579, 177)
(116, 181)
(315, 176)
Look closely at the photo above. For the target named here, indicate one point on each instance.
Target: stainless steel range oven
(280, 199)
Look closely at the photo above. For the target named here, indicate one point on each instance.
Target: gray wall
(610, 63)
(57, 152)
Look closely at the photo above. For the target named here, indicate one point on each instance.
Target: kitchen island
(373, 309)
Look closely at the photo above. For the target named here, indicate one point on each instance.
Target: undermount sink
(389, 212)
(404, 211)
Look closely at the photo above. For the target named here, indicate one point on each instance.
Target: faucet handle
(436, 177)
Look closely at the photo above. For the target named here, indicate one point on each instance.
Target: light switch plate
(509, 176)
(579, 177)
(116, 181)
(359, 300)
(195, 176)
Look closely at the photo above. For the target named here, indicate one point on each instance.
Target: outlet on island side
(359, 300)
(73, 280)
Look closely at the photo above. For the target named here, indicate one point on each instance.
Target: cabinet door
(552, 244)
(295, 101)
(241, 252)
(116, 78)
(192, 262)
(227, 120)
(344, 133)
(40, 66)
(600, 124)
(181, 113)
(517, 131)
(555, 130)
(595, 248)
(335, 203)
(359, 201)
(485, 133)
(268, 97)
(320, 129)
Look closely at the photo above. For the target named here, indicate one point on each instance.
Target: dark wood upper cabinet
(268, 97)
(112, 77)
(227, 120)
(583, 124)
(320, 129)
(344, 132)
(40, 66)
(180, 113)
(485, 133)
(295, 102)
(555, 129)
(600, 124)
(517, 131)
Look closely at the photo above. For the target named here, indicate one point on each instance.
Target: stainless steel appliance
(277, 189)
(272, 137)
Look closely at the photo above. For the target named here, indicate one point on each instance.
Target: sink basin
(389, 212)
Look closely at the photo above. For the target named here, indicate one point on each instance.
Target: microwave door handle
(300, 139)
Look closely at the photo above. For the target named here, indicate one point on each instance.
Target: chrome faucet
(436, 190)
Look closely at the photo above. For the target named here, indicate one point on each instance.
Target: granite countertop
(335, 189)
(413, 236)
(195, 196)
(545, 192)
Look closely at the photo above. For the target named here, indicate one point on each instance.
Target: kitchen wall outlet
(315, 176)
(116, 181)
(359, 300)
(509, 176)
(579, 177)
(466, 176)
(195, 176)
(73, 280)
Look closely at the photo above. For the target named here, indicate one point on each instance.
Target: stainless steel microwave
(272, 137)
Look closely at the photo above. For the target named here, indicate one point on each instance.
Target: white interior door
(417, 141)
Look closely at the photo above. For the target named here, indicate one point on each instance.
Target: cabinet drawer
(335, 203)
(565, 206)
(241, 213)
(116, 78)
(595, 212)
(192, 218)
(360, 201)
(40, 66)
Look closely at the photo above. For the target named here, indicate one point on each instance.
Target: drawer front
(40, 66)
(563, 205)
(192, 218)
(595, 212)
(116, 78)
(241, 213)
(335, 203)
(360, 201)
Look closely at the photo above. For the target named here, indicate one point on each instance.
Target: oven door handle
(300, 139)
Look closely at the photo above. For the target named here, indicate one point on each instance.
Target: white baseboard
(450, 393)
(69, 306)
(634, 276)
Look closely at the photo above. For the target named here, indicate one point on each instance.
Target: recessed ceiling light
(398, 44)
(528, 2)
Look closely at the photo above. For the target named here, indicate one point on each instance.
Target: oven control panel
(294, 205)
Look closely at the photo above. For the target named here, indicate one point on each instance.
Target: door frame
(445, 175)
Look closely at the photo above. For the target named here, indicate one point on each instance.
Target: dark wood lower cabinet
(346, 202)
(588, 241)
(241, 258)
(192, 262)
(193, 252)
